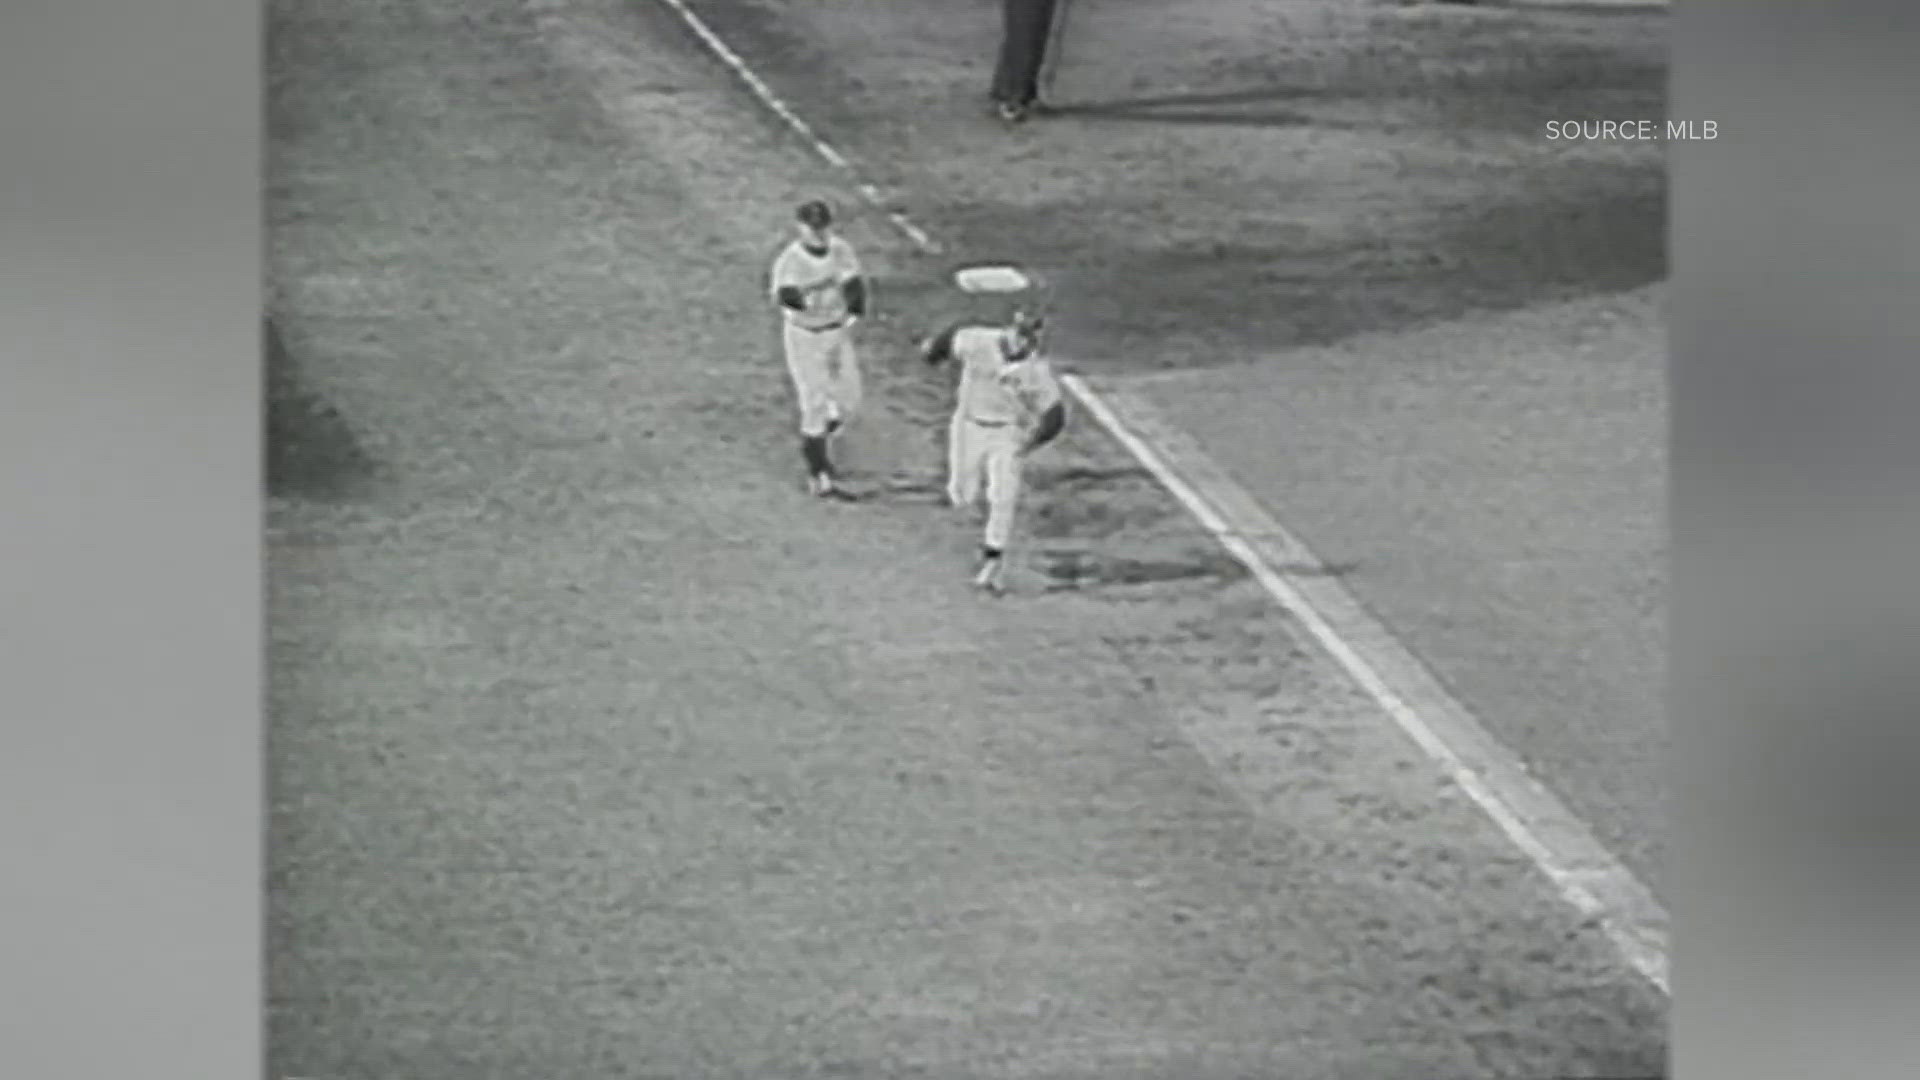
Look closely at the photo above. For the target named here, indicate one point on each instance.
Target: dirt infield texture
(1234, 177)
(598, 750)
(1424, 332)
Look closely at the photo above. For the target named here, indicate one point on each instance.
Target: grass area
(1229, 178)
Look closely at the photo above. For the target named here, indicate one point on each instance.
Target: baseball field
(598, 749)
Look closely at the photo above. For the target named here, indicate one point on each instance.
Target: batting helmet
(815, 214)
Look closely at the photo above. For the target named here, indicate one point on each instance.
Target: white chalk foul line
(772, 101)
(1579, 867)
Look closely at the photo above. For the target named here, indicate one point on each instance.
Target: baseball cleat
(826, 487)
(987, 578)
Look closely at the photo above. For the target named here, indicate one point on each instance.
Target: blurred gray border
(129, 225)
(130, 622)
(1795, 330)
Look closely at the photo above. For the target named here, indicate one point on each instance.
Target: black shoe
(1013, 112)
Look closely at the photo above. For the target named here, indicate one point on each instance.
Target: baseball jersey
(995, 390)
(821, 279)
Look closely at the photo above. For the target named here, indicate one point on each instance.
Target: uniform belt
(822, 329)
(990, 423)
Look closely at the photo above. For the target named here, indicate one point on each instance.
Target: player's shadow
(1073, 477)
(1317, 569)
(1238, 108)
(907, 487)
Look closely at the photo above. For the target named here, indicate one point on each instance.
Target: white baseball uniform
(818, 341)
(998, 405)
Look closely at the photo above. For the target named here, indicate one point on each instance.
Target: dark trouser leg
(1026, 25)
(813, 449)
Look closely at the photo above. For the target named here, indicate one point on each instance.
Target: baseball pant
(826, 376)
(985, 459)
(1025, 26)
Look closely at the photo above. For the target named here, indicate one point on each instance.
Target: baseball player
(1027, 29)
(1009, 405)
(817, 286)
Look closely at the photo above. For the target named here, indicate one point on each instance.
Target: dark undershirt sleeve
(940, 349)
(790, 297)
